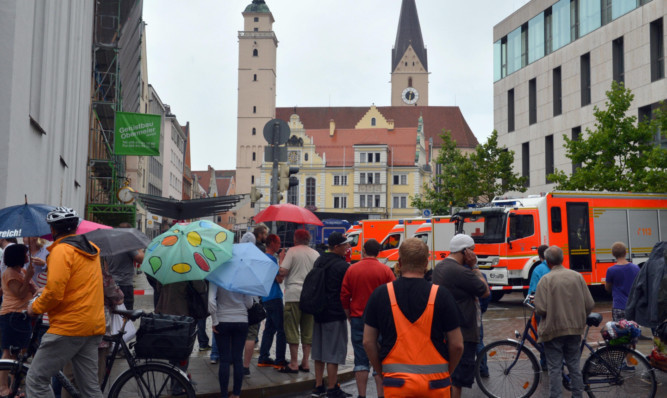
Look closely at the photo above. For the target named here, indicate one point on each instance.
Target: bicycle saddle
(593, 319)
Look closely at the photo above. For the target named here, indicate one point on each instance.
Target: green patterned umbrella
(188, 252)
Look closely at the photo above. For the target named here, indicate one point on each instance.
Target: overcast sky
(330, 53)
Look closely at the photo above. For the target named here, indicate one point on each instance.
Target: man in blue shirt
(273, 304)
(539, 271)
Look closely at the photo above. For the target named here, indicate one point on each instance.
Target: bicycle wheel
(15, 375)
(615, 371)
(152, 380)
(512, 372)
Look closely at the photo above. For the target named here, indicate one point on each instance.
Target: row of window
(657, 60)
(369, 157)
(558, 25)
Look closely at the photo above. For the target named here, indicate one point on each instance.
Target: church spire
(408, 33)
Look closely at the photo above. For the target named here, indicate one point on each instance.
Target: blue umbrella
(249, 271)
(24, 220)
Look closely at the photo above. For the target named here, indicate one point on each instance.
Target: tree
(620, 154)
(478, 177)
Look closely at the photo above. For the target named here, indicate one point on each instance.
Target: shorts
(330, 342)
(16, 330)
(297, 324)
(463, 375)
(253, 332)
(617, 314)
(361, 362)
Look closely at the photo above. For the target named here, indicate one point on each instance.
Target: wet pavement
(500, 322)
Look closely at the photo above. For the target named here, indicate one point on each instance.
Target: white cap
(460, 242)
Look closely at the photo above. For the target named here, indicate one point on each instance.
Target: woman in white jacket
(229, 314)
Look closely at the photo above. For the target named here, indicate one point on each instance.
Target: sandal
(287, 369)
(305, 370)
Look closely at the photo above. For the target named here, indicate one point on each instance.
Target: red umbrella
(287, 212)
(84, 227)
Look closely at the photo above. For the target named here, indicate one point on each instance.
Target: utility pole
(274, 170)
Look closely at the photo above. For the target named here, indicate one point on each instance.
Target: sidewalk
(262, 382)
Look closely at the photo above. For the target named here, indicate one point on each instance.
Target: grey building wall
(45, 72)
(633, 27)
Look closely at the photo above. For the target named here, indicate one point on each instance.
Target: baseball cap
(460, 242)
(336, 238)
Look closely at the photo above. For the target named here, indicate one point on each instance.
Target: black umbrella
(118, 240)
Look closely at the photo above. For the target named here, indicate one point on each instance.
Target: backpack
(314, 294)
(197, 302)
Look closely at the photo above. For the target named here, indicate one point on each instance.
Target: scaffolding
(106, 171)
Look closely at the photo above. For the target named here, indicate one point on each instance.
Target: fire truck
(508, 232)
(405, 228)
(368, 229)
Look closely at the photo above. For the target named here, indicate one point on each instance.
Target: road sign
(426, 213)
(281, 151)
(282, 135)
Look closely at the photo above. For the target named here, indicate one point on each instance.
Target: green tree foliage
(620, 154)
(466, 179)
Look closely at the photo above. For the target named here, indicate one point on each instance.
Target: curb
(288, 387)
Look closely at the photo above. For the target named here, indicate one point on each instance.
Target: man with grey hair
(563, 301)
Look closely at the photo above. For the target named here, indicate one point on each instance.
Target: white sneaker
(214, 361)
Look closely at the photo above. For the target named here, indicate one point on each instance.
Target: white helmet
(62, 214)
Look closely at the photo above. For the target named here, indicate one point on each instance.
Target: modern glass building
(554, 61)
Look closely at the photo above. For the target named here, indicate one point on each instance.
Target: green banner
(137, 134)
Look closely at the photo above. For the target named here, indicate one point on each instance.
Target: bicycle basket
(621, 333)
(163, 336)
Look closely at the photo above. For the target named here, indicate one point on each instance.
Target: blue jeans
(483, 368)
(273, 326)
(202, 337)
(215, 354)
(231, 341)
(361, 362)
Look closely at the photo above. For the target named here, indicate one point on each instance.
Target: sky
(330, 53)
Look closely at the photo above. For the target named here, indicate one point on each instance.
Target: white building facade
(45, 72)
(553, 62)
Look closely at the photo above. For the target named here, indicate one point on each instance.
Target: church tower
(256, 97)
(409, 66)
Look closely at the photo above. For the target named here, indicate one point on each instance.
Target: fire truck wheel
(496, 296)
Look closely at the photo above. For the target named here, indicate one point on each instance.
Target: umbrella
(85, 226)
(24, 220)
(287, 212)
(249, 271)
(187, 252)
(119, 240)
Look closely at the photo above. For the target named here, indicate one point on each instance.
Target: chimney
(332, 127)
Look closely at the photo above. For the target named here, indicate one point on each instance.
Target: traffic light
(255, 195)
(286, 180)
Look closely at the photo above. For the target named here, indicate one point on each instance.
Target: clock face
(125, 195)
(410, 95)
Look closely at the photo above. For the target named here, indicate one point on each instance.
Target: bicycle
(144, 377)
(514, 370)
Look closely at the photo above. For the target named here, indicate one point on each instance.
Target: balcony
(249, 34)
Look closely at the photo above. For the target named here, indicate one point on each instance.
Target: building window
(590, 16)
(252, 180)
(377, 157)
(514, 53)
(532, 101)
(617, 60)
(373, 121)
(362, 178)
(255, 52)
(377, 201)
(256, 19)
(400, 179)
(510, 110)
(362, 200)
(657, 50)
(525, 162)
(524, 45)
(254, 131)
(548, 157)
(560, 15)
(558, 94)
(548, 31)
(305, 157)
(536, 38)
(254, 77)
(576, 134)
(254, 156)
(254, 109)
(340, 180)
(606, 11)
(340, 202)
(293, 195)
(400, 202)
(574, 20)
(310, 191)
(585, 79)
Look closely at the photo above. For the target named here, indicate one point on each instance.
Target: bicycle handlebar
(529, 302)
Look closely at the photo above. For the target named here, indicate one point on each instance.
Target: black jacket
(336, 268)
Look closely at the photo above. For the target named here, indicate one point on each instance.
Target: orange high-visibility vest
(414, 367)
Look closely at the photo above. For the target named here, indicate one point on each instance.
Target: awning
(188, 209)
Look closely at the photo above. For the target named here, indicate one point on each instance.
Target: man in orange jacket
(421, 340)
(74, 299)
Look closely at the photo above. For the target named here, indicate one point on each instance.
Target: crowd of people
(419, 332)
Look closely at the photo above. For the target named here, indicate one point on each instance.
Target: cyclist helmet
(61, 214)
